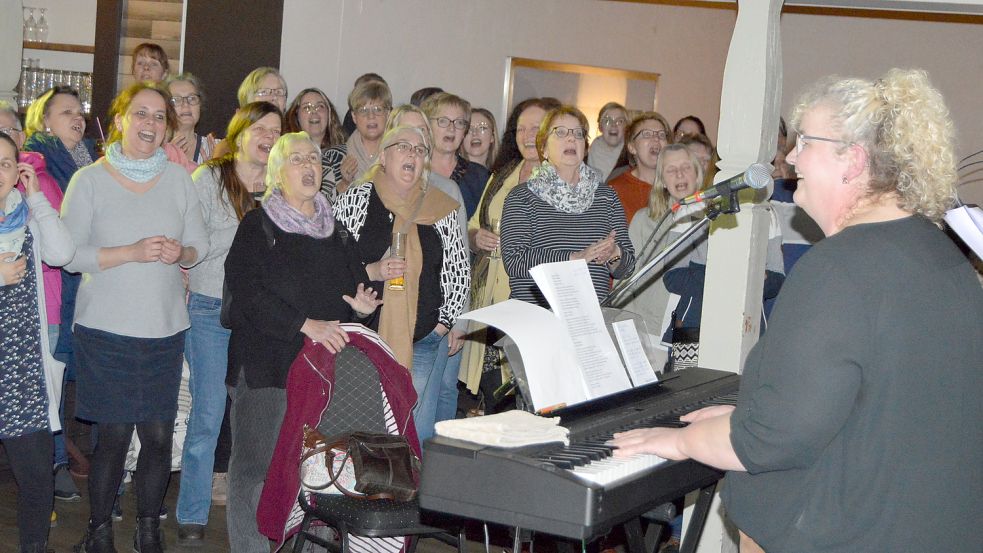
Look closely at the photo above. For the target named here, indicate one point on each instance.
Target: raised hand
(29, 177)
(365, 301)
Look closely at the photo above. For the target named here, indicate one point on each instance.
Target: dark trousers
(109, 457)
(30, 461)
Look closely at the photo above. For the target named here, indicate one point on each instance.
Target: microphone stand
(727, 203)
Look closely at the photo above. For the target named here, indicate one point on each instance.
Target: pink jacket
(51, 191)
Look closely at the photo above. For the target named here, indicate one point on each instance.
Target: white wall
(952, 53)
(69, 22)
(462, 46)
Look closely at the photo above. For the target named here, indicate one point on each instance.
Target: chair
(358, 403)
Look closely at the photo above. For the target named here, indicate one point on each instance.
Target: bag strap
(341, 443)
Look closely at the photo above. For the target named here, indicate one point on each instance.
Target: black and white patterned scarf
(547, 185)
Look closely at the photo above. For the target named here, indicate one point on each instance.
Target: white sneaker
(220, 488)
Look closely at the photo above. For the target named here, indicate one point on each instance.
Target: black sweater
(275, 288)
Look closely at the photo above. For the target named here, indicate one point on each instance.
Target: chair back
(356, 401)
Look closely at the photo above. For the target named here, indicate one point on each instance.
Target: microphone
(757, 176)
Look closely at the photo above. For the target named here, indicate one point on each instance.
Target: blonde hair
(435, 102)
(388, 139)
(903, 124)
(659, 199)
(396, 115)
(250, 84)
(278, 158)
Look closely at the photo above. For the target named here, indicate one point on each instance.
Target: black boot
(98, 539)
(148, 538)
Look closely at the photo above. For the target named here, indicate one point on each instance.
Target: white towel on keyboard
(509, 429)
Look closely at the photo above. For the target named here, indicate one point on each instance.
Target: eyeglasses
(314, 108)
(619, 122)
(803, 140)
(191, 100)
(681, 171)
(480, 129)
(277, 92)
(405, 147)
(444, 122)
(302, 159)
(649, 134)
(376, 111)
(8, 130)
(562, 132)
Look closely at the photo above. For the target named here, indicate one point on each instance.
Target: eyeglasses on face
(302, 159)
(403, 147)
(266, 92)
(191, 100)
(803, 140)
(444, 122)
(311, 107)
(608, 121)
(480, 129)
(375, 111)
(561, 132)
(649, 134)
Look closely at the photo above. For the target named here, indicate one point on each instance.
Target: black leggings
(30, 461)
(153, 467)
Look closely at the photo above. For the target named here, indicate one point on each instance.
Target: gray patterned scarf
(547, 185)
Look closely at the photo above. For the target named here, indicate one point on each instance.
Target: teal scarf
(137, 170)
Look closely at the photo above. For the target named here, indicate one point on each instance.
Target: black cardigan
(275, 288)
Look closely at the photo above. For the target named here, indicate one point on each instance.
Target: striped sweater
(534, 232)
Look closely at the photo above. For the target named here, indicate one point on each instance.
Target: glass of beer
(398, 251)
(496, 227)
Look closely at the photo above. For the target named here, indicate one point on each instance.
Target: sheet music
(633, 353)
(568, 289)
(546, 349)
(967, 221)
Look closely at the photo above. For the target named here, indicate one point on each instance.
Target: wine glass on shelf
(42, 27)
(30, 26)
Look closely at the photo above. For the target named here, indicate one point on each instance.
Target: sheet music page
(546, 349)
(567, 287)
(633, 353)
(967, 221)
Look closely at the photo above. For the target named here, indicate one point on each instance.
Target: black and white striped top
(534, 232)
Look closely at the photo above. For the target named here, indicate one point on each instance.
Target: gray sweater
(208, 275)
(143, 300)
(859, 412)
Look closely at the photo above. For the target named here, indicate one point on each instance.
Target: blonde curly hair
(902, 122)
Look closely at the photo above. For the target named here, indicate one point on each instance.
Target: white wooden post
(749, 105)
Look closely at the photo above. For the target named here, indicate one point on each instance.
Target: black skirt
(126, 379)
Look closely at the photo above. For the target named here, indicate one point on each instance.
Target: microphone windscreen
(758, 176)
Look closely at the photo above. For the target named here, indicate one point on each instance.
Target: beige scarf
(421, 207)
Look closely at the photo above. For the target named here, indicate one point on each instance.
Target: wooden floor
(72, 517)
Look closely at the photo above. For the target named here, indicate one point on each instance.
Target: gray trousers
(255, 419)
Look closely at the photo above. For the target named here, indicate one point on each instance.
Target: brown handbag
(385, 466)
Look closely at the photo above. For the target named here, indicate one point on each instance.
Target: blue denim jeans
(207, 352)
(447, 396)
(60, 453)
(429, 360)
